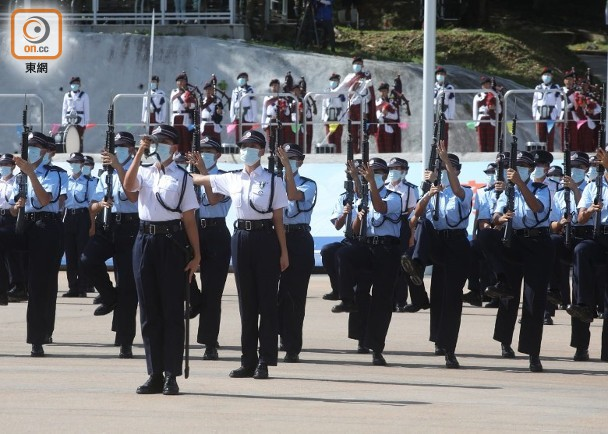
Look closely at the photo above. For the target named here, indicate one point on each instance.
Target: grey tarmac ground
(81, 386)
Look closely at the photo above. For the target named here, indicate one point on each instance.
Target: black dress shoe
(378, 359)
(548, 320)
(451, 362)
(97, 300)
(126, 352)
(413, 268)
(493, 304)
(17, 294)
(195, 310)
(581, 355)
(74, 294)
(291, 358)
(4, 299)
(554, 297)
(535, 365)
(507, 351)
(37, 350)
(345, 306)
(154, 384)
(499, 290)
(261, 372)
(413, 308)
(331, 296)
(439, 351)
(473, 298)
(581, 312)
(210, 353)
(170, 387)
(362, 349)
(104, 309)
(242, 372)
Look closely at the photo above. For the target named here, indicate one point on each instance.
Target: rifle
(426, 185)
(364, 184)
(349, 184)
(437, 162)
(500, 164)
(22, 177)
(398, 94)
(196, 140)
(274, 144)
(221, 89)
(599, 181)
(508, 234)
(110, 147)
(567, 172)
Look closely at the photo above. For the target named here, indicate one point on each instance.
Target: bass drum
(67, 139)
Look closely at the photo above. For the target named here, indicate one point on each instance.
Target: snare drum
(67, 139)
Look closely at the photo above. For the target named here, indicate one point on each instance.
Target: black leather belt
(297, 227)
(80, 113)
(386, 240)
(125, 217)
(531, 233)
(451, 233)
(5, 212)
(74, 211)
(160, 228)
(253, 225)
(585, 231)
(42, 216)
(181, 112)
(212, 222)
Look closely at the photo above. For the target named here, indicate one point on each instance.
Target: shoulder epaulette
(466, 186)
(539, 185)
(307, 180)
(409, 184)
(490, 188)
(56, 169)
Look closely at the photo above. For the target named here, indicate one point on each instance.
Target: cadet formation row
(347, 103)
(160, 224)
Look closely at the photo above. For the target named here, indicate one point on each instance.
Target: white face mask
(490, 179)
(378, 180)
(5, 170)
(524, 173)
(578, 175)
(122, 154)
(208, 159)
(445, 179)
(86, 170)
(75, 167)
(547, 78)
(357, 67)
(440, 78)
(592, 174)
(294, 165)
(163, 151)
(394, 175)
(250, 156)
(33, 154)
(539, 172)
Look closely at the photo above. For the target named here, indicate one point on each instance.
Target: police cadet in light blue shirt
(527, 254)
(115, 241)
(375, 253)
(77, 222)
(293, 286)
(441, 241)
(43, 237)
(214, 239)
(589, 267)
(559, 286)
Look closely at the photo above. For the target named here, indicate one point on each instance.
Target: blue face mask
(75, 168)
(242, 81)
(250, 156)
(5, 170)
(163, 151)
(539, 172)
(357, 68)
(547, 79)
(394, 175)
(490, 179)
(578, 175)
(86, 170)
(378, 180)
(592, 174)
(208, 159)
(46, 159)
(153, 85)
(440, 78)
(524, 173)
(74, 87)
(445, 179)
(333, 84)
(122, 154)
(33, 154)
(294, 165)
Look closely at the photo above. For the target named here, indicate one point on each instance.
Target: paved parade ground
(81, 385)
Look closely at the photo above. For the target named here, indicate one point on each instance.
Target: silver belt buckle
(526, 233)
(375, 240)
(152, 229)
(203, 223)
(605, 230)
(117, 217)
(248, 225)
